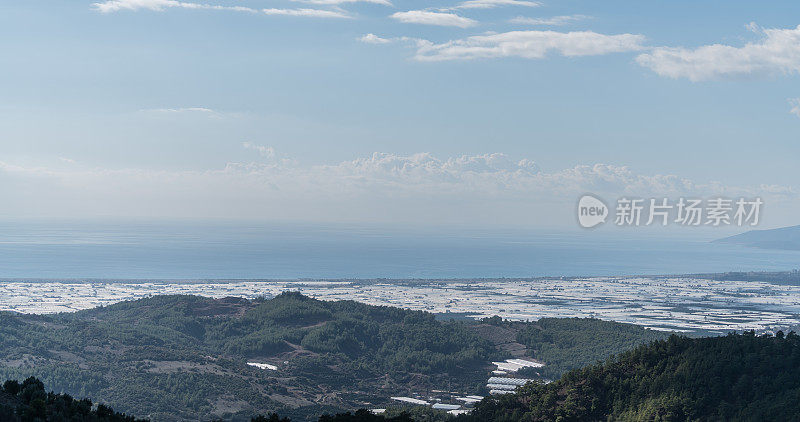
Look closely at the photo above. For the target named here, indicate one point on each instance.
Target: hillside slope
(737, 377)
(183, 357)
(186, 357)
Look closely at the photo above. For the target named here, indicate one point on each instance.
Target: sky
(477, 112)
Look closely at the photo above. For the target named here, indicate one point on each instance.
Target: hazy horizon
(232, 250)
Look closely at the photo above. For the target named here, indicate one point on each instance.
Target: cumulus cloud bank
(420, 187)
(778, 52)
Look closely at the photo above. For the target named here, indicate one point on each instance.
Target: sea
(223, 250)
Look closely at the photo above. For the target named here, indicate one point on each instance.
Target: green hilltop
(185, 357)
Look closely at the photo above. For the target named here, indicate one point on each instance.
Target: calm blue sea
(172, 250)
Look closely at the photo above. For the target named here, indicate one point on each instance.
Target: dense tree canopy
(29, 402)
(737, 377)
(570, 343)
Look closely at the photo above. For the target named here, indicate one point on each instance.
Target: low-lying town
(664, 303)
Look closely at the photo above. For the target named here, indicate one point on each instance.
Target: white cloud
(778, 52)
(795, 104)
(160, 5)
(338, 2)
(777, 190)
(264, 151)
(418, 187)
(552, 21)
(491, 4)
(425, 171)
(426, 17)
(183, 110)
(530, 45)
(753, 27)
(117, 5)
(374, 39)
(313, 13)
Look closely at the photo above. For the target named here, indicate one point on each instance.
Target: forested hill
(737, 377)
(186, 357)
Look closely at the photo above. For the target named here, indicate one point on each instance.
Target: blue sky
(159, 108)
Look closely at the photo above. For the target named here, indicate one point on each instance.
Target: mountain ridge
(179, 357)
(783, 238)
